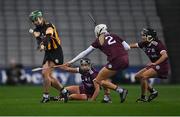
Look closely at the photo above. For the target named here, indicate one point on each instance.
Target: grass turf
(24, 100)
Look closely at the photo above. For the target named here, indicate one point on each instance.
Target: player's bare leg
(144, 84)
(78, 97)
(49, 81)
(46, 83)
(54, 82)
(143, 88)
(138, 77)
(102, 77)
(139, 74)
(150, 74)
(63, 91)
(73, 89)
(75, 93)
(107, 98)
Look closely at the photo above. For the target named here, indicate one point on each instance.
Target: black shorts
(55, 56)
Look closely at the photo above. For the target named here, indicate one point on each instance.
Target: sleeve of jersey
(119, 39)
(95, 44)
(82, 54)
(38, 41)
(50, 25)
(126, 45)
(48, 37)
(94, 75)
(161, 48)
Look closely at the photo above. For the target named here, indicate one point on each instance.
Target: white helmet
(99, 29)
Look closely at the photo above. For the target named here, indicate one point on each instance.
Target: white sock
(64, 91)
(119, 89)
(154, 91)
(106, 97)
(46, 95)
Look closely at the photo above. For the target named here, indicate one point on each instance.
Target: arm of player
(49, 30)
(35, 33)
(82, 54)
(49, 33)
(163, 57)
(96, 92)
(126, 45)
(134, 45)
(69, 69)
(38, 39)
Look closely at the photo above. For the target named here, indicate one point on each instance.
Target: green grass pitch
(24, 100)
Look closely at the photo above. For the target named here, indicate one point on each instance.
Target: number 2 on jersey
(110, 40)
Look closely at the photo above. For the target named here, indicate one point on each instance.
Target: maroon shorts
(88, 92)
(119, 63)
(161, 69)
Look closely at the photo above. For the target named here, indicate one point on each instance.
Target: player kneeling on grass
(158, 67)
(86, 90)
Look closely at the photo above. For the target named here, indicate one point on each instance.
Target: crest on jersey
(157, 67)
(152, 50)
(109, 66)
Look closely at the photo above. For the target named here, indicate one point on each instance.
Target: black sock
(143, 96)
(151, 90)
(61, 88)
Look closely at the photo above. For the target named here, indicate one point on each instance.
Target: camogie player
(116, 51)
(158, 67)
(48, 40)
(85, 91)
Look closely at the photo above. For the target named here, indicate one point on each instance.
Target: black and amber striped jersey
(53, 41)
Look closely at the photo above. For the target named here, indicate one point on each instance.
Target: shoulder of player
(142, 44)
(115, 36)
(110, 34)
(93, 71)
(157, 43)
(48, 24)
(37, 29)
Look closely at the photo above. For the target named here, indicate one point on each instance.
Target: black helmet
(150, 33)
(85, 61)
(35, 14)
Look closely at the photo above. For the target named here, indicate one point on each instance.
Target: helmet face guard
(86, 61)
(85, 65)
(149, 33)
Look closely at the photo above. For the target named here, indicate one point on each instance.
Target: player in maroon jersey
(158, 67)
(86, 89)
(116, 51)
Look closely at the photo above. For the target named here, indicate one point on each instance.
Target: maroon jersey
(112, 46)
(87, 85)
(153, 49)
